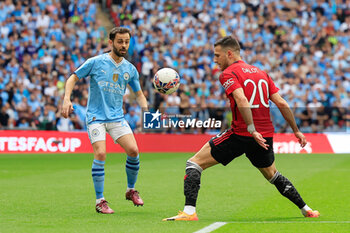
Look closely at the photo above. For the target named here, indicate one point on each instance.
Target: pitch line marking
(216, 225)
(211, 227)
(290, 222)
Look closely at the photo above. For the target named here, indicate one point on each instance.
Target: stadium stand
(304, 45)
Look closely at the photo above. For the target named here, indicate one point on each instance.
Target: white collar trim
(113, 61)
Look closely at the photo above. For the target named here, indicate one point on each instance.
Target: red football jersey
(257, 87)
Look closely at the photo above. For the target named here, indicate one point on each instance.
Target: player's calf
(192, 182)
(287, 189)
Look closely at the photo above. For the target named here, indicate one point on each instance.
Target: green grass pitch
(54, 193)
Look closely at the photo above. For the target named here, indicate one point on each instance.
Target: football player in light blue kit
(110, 73)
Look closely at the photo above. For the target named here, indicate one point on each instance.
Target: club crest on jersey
(115, 77)
(228, 83)
(95, 132)
(126, 76)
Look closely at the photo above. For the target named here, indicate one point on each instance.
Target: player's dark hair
(117, 30)
(228, 42)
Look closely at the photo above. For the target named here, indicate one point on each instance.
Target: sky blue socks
(98, 176)
(98, 173)
(132, 170)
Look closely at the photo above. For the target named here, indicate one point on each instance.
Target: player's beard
(118, 53)
(224, 65)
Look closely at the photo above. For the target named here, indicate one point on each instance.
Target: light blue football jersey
(108, 81)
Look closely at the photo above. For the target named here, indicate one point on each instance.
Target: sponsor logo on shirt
(228, 83)
(112, 87)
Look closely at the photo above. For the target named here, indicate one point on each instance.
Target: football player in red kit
(249, 90)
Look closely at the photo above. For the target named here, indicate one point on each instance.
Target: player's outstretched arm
(141, 100)
(244, 108)
(67, 107)
(288, 115)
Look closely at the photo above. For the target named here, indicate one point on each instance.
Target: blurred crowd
(303, 45)
(42, 43)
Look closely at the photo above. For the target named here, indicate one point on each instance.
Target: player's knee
(133, 152)
(194, 165)
(269, 176)
(203, 158)
(273, 176)
(199, 162)
(268, 172)
(101, 155)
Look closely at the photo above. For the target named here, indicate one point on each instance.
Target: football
(166, 81)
